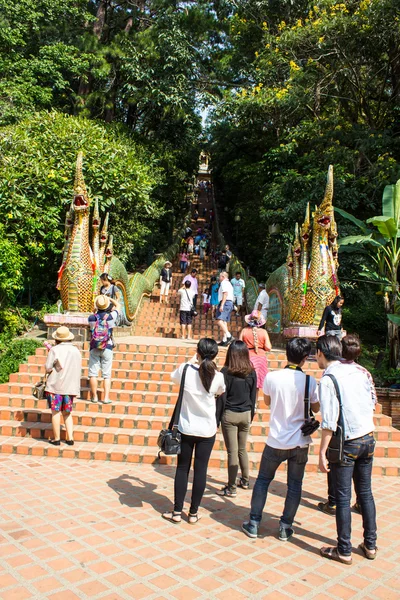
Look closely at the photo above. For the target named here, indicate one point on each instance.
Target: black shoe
(327, 508)
(223, 344)
(69, 442)
(285, 534)
(55, 442)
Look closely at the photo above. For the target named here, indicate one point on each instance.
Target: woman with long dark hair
(332, 319)
(240, 404)
(197, 425)
(257, 341)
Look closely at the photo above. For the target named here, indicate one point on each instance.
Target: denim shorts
(225, 315)
(100, 359)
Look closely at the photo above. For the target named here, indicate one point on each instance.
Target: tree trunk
(100, 19)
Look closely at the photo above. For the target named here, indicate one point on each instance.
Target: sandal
(226, 491)
(370, 554)
(192, 519)
(333, 554)
(243, 484)
(172, 516)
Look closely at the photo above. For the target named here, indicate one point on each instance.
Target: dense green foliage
(316, 83)
(16, 353)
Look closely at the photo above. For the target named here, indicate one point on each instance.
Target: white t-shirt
(225, 286)
(238, 285)
(186, 297)
(198, 406)
(286, 389)
(206, 299)
(262, 299)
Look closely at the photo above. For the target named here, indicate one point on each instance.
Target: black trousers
(202, 448)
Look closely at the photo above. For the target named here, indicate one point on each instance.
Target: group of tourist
(344, 384)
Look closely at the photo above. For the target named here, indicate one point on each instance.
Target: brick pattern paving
(79, 529)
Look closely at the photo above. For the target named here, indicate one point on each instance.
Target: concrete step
(142, 454)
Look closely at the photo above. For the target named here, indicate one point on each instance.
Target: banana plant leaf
(386, 225)
(361, 224)
(394, 319)
(359, 240)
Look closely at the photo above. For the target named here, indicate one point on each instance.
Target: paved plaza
(75, 529)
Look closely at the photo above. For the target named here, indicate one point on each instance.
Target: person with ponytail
(258, 342)
(197, 425)
(240, 405)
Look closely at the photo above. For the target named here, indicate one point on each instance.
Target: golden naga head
(324, 215)
(305, 230)
(81, 202)
(296, 243)
(96, 216)
(289, 259)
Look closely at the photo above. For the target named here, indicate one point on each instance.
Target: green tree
(382, 247)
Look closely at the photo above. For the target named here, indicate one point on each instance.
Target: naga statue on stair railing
(83, 262)
(308, 282)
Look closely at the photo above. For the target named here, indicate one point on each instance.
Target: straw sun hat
(256, 319)
(102, 302)
(167, 264)
(63, 334)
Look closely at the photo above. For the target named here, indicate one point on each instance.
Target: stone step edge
(148, 455)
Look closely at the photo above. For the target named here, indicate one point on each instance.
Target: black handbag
(169, 440)
(334, 452)
(310, 424)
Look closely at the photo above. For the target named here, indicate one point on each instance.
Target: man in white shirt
(262, 302)
(285, 391)
(238, 288)
(225, 307)
(194, 284)
(357, 407)
(186, 295)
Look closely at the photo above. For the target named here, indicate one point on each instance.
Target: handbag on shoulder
(39, 388)
(169, 440)
(334, 452)
(310, 422)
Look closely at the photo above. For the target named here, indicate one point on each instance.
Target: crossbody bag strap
(307, 407)
(191, 301)
(340, 420)
(177, 410)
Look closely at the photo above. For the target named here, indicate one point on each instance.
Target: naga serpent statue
(308, 281)
(82, 263)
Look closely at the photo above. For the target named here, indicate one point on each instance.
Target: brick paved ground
(72, 529)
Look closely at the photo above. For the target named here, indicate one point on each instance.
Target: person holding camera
(346, 399)
(285, 392)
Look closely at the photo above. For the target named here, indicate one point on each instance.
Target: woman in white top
(197, 425)
(64, 368)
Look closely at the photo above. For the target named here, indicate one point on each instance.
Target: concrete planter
(390, 400)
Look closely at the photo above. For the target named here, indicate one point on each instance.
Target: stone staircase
(142, 402)
(143, 395)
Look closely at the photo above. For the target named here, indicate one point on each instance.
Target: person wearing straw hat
(64, 369)
(258, 342)
(101, 324)
(165, 281)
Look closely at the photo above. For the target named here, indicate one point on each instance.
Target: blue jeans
(357, 465)
(270, 461)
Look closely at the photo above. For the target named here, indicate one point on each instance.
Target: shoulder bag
(310, 424)
(169, 440)
(39, 388)
(334, 452)
(193, 311)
